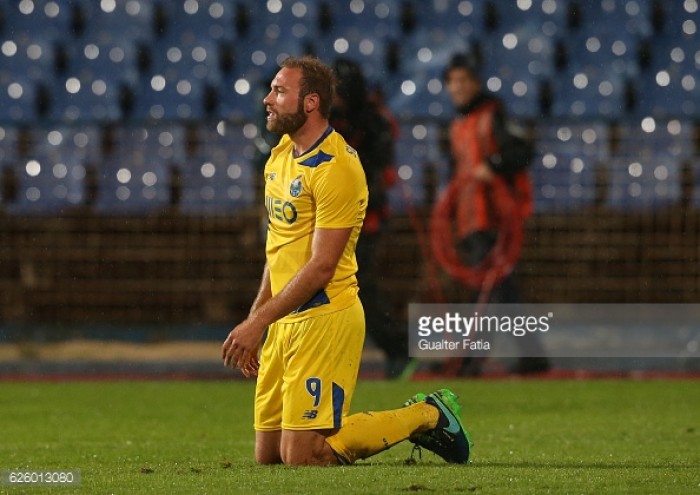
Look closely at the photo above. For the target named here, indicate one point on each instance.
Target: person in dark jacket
(360, 121)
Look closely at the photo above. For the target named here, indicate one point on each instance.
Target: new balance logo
(310, 414)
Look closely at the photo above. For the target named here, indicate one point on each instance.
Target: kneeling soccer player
(316, 196)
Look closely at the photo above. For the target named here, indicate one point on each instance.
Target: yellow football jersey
(325, 188)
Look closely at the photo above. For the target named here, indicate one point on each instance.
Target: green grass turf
(196, 437)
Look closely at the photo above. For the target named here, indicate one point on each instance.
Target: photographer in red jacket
(485, 148)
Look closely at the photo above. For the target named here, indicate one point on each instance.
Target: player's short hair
(316, 77)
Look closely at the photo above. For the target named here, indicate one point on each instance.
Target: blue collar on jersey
(315, 145)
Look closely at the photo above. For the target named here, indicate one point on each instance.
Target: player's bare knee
(317, 455)
(266, 458)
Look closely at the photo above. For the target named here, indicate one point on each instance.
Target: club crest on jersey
(272, 176)
(295, 187)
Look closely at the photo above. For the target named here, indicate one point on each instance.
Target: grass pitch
(534, 437)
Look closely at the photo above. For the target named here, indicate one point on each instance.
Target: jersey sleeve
(340, 192)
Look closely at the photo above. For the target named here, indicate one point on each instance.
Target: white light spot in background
(149, 179)
(405, 172)
(208, 170)
(33, 168)
(674, 127)
(258, 57)
(9, 48)
(494, 84)
(661, 172)
(274, 6)
(60, 170)
(663, 79)
(108, 6)
(419, 132)
(589, 136)
(123, 175)
(510, 41)
(635, 169)
(341, 45)
(55, 138)
(564, 134)
(408, 88)
(593, 44)
(576, 165)
(73, 85)
(549, 160)
(158, 83)
(425, 55)
(242, 86)
(580, 80)
(234, 171)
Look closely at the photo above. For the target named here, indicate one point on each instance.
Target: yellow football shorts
(308, 371)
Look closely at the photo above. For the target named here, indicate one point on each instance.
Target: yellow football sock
(365, 434)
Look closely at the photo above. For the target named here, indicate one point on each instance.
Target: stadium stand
(645, 172)
(567, 158)
(136, 177)
(217, 177)
(422, 168)
(96, 82)
(51, 178)
(123, 200)
(112, 20)
(596, 78)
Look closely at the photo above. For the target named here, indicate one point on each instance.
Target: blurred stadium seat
(180, 82)
(567, 156)
(31, 56)
(432, 33)
(143, 62)
(212, 19)
(51, 176)
(50, 19)
(671, 86)
(135, 177)
(622, 16)
(677, 19)
(362, 30)
(112, 20)
(548, 17)
(417, 90)
(19, 102)
(96, 82)
(646, 170)
(596, 79)
(9, 137)
(421, 167)
(219, 177)
(517, 65)
(466, 19)
(693, 167)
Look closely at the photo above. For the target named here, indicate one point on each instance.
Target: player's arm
(240, 348)
(264, 292)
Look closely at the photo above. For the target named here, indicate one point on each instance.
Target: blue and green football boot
(449, 439)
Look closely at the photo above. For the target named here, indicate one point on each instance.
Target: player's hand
(240, 349)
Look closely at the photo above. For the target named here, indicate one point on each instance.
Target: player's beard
(288, 123)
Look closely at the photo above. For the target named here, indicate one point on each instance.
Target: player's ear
(311, 102)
